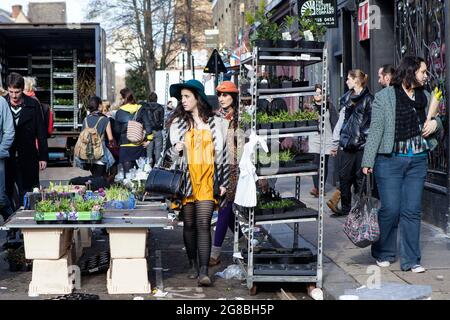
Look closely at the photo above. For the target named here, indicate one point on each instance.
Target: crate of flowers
(117, 197)
(76, 210)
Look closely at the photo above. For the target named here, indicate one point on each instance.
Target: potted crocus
(287, 159)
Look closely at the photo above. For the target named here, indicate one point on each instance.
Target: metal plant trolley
(302, 58)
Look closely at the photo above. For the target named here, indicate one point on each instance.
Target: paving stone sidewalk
(346, 266)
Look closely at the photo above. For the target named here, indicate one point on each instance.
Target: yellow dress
(200, 158)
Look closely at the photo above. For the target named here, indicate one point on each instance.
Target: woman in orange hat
(227, 93)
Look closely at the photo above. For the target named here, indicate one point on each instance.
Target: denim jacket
(6, 129)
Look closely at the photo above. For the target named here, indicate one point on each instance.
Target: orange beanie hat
(227, 87)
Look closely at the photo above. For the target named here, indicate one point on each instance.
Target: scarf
(409, 114)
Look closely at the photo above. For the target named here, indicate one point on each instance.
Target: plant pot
(274, 85)
(266, 211)
(288, 164)
(319, 44)
(263, 85)
(307, 44)
(286, 84)
(278, 210)
(289, 124)
(277, 125)
(301, 123)
(299, 84)
(266, 126)
(264, 165)
(261, 44)
(286, 43)
(312, 123)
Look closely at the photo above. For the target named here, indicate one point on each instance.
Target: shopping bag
(361, 226)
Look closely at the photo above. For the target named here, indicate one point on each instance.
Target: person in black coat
(29, 151)
(353, 135)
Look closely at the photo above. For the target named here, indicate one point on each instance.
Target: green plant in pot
(263, 120)
(266, 31)
(16, 259)
(287, 159)
(286, 41)
(308, 26)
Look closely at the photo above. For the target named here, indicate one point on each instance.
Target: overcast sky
(75, 8)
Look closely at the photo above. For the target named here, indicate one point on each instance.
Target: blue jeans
(400, 184)
(5, 205)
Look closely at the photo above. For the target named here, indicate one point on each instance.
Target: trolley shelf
(299, 215)
(288, 132)
(303, 169)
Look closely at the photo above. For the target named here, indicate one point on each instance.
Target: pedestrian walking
(29, 151)
(353, 134)
(399, 140)
(199, 137)
(129, 152)
(227, 93)
(47, 114)
(6, 141)
(155, 114)
(331, 117)
(96, 120)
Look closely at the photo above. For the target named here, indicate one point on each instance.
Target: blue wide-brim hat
(194, 85)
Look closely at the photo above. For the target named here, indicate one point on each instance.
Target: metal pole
(216, 80)
(182, 59)
(447, 84)
(192, 64)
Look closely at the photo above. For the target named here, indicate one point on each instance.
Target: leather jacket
(355, 127)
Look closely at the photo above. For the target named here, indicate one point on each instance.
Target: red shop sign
(364, 21)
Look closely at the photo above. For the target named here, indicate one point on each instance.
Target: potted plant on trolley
(308, 26)
(287, 41)
(266, 33)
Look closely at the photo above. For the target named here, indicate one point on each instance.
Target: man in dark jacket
(29, 151)
(155, 113)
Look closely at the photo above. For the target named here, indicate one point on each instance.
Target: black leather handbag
(166, 182)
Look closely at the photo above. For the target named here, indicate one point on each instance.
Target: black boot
(203, 279)
(193, 269)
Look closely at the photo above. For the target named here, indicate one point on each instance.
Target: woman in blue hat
(198, 138)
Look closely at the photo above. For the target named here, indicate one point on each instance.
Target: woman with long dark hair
(400, 138)
(227, 93)
(198, 138)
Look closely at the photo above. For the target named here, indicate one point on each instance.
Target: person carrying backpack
(91, 152)
(128, 117)
(155, 114)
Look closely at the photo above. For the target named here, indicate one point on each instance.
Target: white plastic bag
(233, 271)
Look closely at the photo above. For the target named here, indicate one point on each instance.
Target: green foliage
(266, 30)
(306, 22)
(266, 158)
(81, 205)
(276, 204)
(16, 255)
(246, 118)
(46, 206)
(64, 205)
(117, 193)
(263, 118)
(135, 80)
(286, 156)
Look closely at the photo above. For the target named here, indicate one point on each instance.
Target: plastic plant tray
(285, 269)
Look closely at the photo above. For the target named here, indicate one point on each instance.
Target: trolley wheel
(253, 290)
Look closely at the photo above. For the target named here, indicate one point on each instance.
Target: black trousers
(349, 174)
